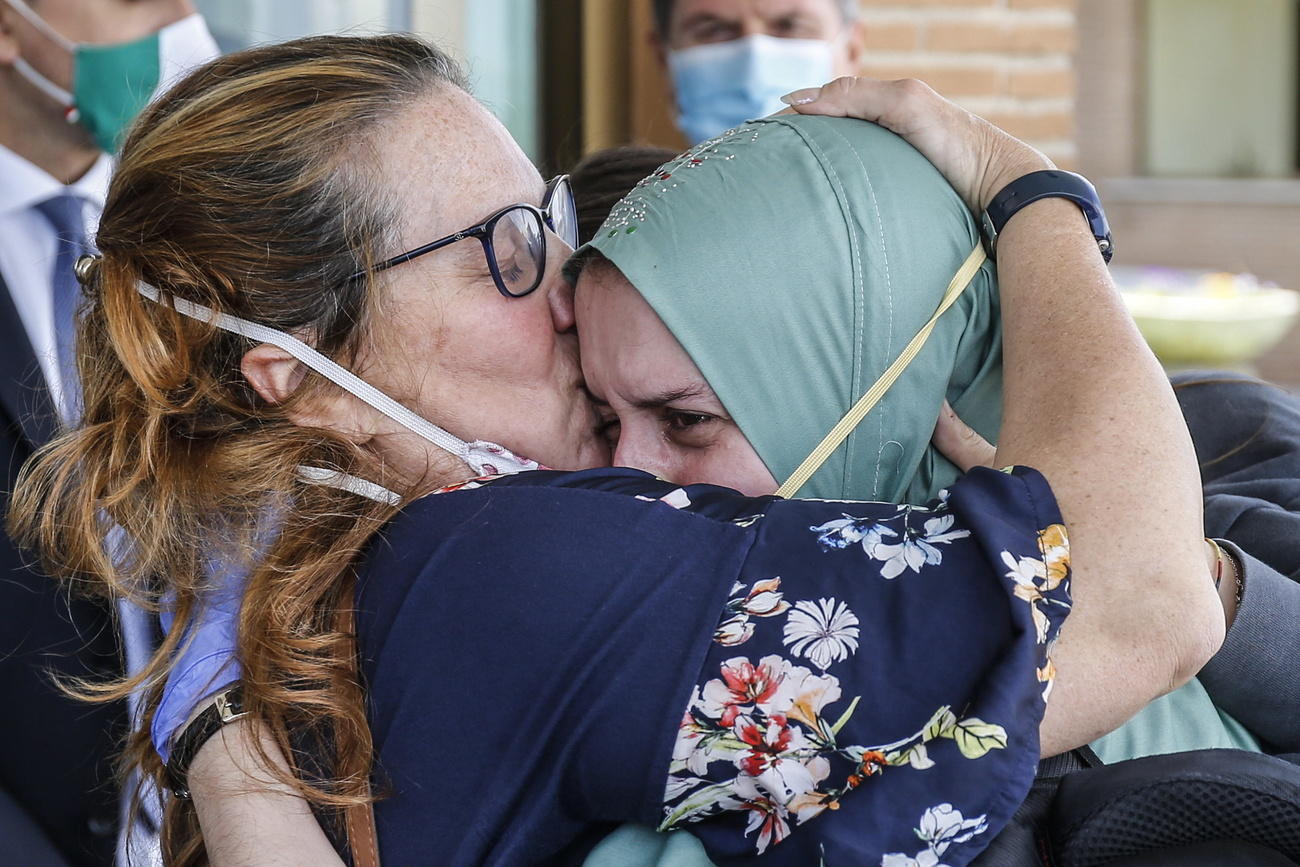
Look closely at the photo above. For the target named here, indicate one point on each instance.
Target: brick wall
(1011, 61)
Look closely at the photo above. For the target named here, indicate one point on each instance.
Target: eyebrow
(655, 401)
(694, 20)
(664, 398)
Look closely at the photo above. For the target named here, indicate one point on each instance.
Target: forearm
(1088, 405)
(249, 818)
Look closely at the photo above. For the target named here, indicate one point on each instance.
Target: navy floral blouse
(549, 655)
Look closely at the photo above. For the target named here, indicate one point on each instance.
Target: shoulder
(614, 495)
(570, 543)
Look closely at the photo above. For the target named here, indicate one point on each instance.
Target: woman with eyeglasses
(329, 302)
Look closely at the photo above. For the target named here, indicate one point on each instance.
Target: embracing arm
(248, 817)
(1253, 676)
(1087, 404)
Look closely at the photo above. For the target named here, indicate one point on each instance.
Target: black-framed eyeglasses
(514, 239)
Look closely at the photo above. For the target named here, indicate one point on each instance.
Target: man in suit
(59, 113)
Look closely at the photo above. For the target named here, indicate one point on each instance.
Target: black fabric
(25, 842)
(1137, 808)
(55, 753)
(1217, 853)
(1022, 841)
(1199, 809)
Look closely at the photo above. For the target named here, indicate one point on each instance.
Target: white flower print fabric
(800, 713)
(796, 682)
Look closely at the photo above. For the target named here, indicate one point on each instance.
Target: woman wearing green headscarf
(751, 335)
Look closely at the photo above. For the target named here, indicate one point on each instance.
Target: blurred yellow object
(1221, 320)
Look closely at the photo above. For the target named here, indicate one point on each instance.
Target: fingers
(977, 158)
(960, 443)
(896, 105)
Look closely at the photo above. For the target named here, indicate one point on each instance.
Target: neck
(33, 126)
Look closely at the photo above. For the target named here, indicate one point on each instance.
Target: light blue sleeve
(207, 660)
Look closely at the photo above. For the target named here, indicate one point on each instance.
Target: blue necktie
(64, 212)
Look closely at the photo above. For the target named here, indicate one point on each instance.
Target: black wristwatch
(224, 707)
(1045, 185)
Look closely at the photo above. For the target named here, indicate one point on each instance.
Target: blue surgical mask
(724, 84)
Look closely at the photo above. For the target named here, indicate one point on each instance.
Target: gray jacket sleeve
(1247, 438)
(1256, 674)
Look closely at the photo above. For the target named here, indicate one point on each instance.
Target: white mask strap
(42, 25)
(43, 84)
(349, 483)
(336, 374)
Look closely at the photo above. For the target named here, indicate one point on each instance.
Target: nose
(560, 298)
(558, 289)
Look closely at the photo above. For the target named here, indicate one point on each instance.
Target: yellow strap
(840, 432)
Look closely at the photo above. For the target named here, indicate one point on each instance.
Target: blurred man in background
(729, 61)
(73, 75)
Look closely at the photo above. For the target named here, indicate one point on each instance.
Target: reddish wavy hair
(249, 189)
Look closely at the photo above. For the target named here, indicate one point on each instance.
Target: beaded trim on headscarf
(631, 211)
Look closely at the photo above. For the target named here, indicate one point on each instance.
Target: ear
(855, 46)
(8, 39)
(658, 46)
(277, 376)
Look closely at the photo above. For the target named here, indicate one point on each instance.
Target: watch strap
(1050, 183)
(225, 707)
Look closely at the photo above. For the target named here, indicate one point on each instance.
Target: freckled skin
(445, 341)
(669, 422)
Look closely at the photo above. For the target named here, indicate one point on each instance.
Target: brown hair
(604, 177)
(247, 189)
(663, 13)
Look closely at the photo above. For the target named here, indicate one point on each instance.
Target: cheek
(732, 462)
(49, 59)
(483, 338)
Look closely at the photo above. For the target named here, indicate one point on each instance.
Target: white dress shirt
(28, 250)
(28, 246)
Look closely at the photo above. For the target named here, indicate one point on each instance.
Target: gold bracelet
(1218, 561)
(1220, 555)
(1236, 575)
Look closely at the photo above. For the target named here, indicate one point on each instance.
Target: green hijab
(794, 258)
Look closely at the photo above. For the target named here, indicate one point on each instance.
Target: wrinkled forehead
(447, 164)
(628, 353)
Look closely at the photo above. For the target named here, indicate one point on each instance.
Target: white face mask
(112, 83)
(484, 458)
(721, 85)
